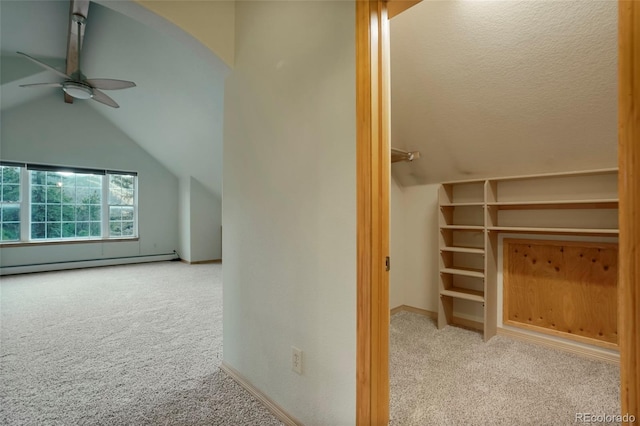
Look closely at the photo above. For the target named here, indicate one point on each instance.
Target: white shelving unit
(473, 213)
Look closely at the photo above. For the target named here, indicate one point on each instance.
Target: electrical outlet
(296, 360)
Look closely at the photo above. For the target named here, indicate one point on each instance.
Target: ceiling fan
(77, 84)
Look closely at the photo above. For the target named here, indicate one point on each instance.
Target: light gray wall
(200, 219)
(289, 211)
(51, 132)
(206, 217)
(184, 195)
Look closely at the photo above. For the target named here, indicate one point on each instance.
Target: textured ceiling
(484, 88)
(174, 113)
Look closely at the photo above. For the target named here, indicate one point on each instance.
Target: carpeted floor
(141, 345)
(451, 377)
(125, 345)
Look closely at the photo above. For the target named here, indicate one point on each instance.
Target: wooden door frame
(373, 164)
(629, 208)
(373, 174)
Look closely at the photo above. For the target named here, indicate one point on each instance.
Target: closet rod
(400, 155)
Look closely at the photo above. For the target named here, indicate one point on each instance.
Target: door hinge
(387, 263)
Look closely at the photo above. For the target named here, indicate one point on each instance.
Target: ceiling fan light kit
(76, 84)
(77, 90)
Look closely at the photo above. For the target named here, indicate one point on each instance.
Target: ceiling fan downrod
(80, 20)
(77, 89)
(75, 84)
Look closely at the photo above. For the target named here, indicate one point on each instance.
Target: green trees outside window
(121, 205)
(10, 203)
(65, 205)
(61, 204)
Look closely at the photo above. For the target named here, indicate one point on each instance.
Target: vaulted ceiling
(480, 88)
(502, 88)
(174, 113)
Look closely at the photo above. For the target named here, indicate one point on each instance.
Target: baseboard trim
(276, 409)
(592, 353)
(201, 262)
(457, 321)
(426, 313)
(467, 324)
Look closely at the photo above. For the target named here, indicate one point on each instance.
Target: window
(67, 203)
(121, 205)
(10, 203)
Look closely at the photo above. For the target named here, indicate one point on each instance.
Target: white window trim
(25, 205)
(25, 212)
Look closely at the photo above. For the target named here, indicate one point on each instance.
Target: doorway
(373, 190)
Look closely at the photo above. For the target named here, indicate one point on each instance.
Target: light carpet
(451, 377)
(141, 345)
(124, 345)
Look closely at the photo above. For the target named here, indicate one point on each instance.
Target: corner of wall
(205, 223)
(418, 247)
(184, 218)
(212, 23)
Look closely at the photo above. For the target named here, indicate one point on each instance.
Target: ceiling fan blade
(109, 83)
(42, 85)
(43, 65)
(104, 99)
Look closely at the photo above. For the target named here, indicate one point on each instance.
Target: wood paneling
(567, 289)
(373, 178)
(629, 194)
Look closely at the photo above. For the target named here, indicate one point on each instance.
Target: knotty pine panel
(567, 289)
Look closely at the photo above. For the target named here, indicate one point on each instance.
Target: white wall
(49, 131)
(415, 216)
(200, 219)
(289, 211)
(397, 274)
(184, 205)
(206, 217)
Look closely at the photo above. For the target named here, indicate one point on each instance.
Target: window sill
(64, 242)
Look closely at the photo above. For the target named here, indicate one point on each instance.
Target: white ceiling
(501, 88)
(480, 88)
(174, 113)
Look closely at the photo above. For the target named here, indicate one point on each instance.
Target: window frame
(4, 204)
(107, 223)
(25, 203)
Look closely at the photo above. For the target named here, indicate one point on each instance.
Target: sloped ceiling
(174, 113)
(480, 88)
(501, 88)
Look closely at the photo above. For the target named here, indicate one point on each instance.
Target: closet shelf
(603, 203)
(527, 229)
(463, 250)
(478, 203)
(467, 272)
(463, 293)
(463, 227)
(473, 213)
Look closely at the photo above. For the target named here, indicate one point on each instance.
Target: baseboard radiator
(88, 263)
